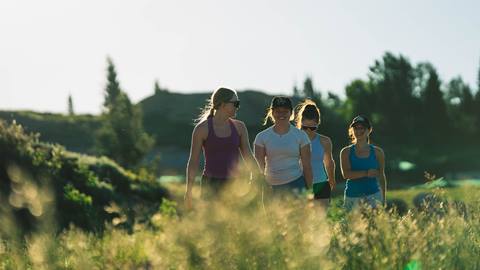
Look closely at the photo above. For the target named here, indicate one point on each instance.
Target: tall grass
(239, 231)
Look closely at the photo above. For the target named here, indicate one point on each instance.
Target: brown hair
(352, 136)
(219, 96)
(307, 110)
(269, 114)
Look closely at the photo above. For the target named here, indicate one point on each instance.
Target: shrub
(81, 186)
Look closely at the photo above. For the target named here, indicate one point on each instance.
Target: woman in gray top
(282, 150)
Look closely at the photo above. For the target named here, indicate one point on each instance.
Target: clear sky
(52, 48)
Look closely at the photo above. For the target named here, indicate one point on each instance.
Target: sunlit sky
(52, 48)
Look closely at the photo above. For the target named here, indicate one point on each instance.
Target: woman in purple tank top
(222, 139)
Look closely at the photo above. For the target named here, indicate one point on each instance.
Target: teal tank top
(318, 169)
(366, 185)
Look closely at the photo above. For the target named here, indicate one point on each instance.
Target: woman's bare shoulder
(240, 125)
(325, 139)
(201, 128)
(378, 150)
(346, 149)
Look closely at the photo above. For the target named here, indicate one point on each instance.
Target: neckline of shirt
(282, 135)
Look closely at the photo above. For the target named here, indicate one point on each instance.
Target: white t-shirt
(282, 162)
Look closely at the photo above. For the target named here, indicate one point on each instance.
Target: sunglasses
(236, 104)
(311, 128)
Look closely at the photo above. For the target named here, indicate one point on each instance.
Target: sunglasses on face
(236, 104)
(310, 128)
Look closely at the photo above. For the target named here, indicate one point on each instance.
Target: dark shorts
(212, 186)
(296, 186)
(321, 191)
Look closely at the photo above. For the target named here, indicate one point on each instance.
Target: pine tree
(436, 122)
(296, 92)
(476, 105)
(392, 100)
(112, 89)
(70, 105)
(157, 88)
(308, 90)
(360, 99)
(121, 136)
(461, 107)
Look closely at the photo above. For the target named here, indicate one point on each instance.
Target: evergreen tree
(112, 89)
(436, 124)
(333, 101)
(121, 136)
(158, 89)
(296, 92)
(308, 90)
(476, 105)
(461, 106)
(360, 99)
(460, 95)
(395, 106)
(70, 105)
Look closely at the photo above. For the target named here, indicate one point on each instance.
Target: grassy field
(466, 191)
(237, 231)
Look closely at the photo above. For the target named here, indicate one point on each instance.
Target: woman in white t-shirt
(283, 151)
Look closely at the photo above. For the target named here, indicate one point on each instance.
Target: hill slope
(39, 179)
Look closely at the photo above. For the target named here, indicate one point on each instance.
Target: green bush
(81, 187)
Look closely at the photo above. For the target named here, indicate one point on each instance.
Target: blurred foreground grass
(237, 231)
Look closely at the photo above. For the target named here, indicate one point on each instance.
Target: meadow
(64, 210)
(246, 229)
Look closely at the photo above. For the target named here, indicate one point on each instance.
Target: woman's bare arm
(328, 161)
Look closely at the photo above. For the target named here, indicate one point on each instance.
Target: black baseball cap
(361, 119)
(281, 102)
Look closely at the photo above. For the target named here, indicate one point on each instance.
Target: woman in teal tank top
(363, 166)
(323, 165)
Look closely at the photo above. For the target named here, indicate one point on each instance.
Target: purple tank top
(221, 154)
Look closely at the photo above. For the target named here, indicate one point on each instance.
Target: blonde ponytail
(221, 95)
(268, 116)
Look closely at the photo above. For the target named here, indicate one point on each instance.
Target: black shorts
(321, 191)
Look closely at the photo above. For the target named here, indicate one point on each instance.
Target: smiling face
(360, 132)
(281, 114)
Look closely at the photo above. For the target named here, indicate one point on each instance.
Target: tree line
(417, 117)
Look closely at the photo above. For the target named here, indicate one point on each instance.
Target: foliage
(43, 179)
(236, 231)
(112, 89)
(74, 132)
(413, 113)
(121, 136)
(70, 106)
